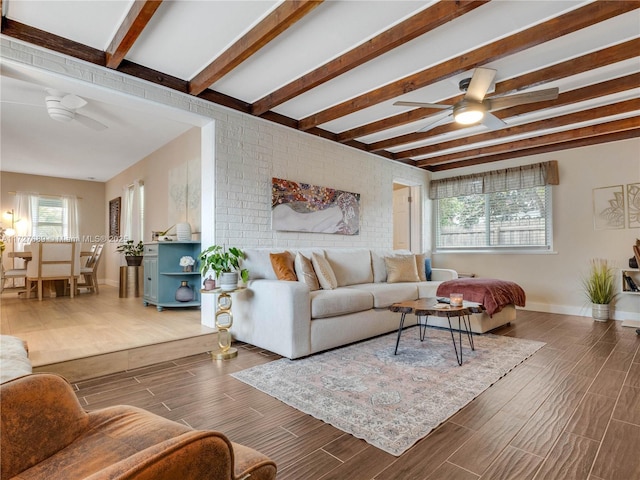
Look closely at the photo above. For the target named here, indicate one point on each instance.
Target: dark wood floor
(571, 411)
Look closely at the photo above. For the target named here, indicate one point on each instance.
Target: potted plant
(132, 252)
(599, 288)
(225, 263)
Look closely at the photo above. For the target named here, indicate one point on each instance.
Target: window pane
(516, 218)
(49, 218)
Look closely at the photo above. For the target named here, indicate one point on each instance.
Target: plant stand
(224, 321)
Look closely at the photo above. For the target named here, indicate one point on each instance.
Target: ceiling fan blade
(480, 83)
(422, 105)
(522, 98)
(73, 101)
(492, 122)
(440, 121)
(90, 122)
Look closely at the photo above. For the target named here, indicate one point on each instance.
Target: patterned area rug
(390, 401)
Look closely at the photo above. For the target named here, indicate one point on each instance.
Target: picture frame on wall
(114, 217)
(302, 207)
(608, 207)
(633, 205)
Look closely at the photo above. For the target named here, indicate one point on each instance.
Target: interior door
(401, 217)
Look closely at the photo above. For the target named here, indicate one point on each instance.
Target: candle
(455, 299)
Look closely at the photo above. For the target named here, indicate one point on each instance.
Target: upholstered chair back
(54, 260)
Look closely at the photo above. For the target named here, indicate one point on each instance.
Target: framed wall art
(608, 207)
(301, 207)
(114, 217)
(633, 205)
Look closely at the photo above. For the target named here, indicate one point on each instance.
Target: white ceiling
(184, 36)
(34, 143)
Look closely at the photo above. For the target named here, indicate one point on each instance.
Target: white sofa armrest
(443, 274)
(274, 315)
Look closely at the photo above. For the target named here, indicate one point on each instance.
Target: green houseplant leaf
(217, 259)
(599, 284)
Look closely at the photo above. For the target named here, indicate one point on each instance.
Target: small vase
(209, 283)
(184, 292)
(188, 268)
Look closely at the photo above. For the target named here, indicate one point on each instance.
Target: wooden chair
(90, 271)
(54, 261)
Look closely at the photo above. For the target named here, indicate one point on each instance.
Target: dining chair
(54, 261)
(90, 270)
(12, 273)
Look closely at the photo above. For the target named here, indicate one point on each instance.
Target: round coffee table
(428, 306)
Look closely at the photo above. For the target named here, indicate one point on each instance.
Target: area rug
(390, 401)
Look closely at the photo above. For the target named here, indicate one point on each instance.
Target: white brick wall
(249, 152)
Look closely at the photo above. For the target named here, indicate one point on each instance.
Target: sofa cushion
(305, 272)
(323, 270)
(350, 266)
(386, 294)
(258, 262)
(282, 264)
(401, 268)
(340, 301)
(428, 289)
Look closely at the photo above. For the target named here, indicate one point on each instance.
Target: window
(505, 209)
(513, 219)
(48, 218)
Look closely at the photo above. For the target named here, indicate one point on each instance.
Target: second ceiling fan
(474, 107)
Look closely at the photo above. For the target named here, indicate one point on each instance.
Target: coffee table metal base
(422, 310)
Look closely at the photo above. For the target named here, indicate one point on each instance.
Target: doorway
(407, 223)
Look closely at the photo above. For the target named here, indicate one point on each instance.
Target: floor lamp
(10, 232)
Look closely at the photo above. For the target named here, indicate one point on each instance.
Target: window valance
(526, 176)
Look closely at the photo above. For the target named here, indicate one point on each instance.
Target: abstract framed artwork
(114, 217)
(301, 207)
(608, 207)
(633, 205)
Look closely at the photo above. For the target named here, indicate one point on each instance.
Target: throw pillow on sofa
(305, 272)
(323, 270)
(401, 268)
(282, 264)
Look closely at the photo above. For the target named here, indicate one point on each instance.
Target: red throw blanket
(493, 294)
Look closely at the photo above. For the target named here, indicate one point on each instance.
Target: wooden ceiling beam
(43, 39)
(552, 138)
(129, 30)
(555, 147)
(276, 22)
(413, 27)
(590, 61)
(548, 123)
(556, 27)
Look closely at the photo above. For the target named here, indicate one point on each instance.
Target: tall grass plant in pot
(599, 288)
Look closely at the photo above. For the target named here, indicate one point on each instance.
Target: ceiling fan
(474, 107)
(63, 107)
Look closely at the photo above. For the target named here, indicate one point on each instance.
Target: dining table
(53, 288)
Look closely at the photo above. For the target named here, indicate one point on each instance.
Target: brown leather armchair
(45, 434)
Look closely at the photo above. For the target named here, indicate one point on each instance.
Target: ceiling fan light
(468, 114)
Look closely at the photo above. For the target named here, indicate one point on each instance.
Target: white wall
(552, 281)
(249, 152)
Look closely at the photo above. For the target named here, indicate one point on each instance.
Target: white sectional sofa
(288, 318)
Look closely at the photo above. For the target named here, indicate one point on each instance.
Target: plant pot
(229, 281)
(600, 312)
(134, 261)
